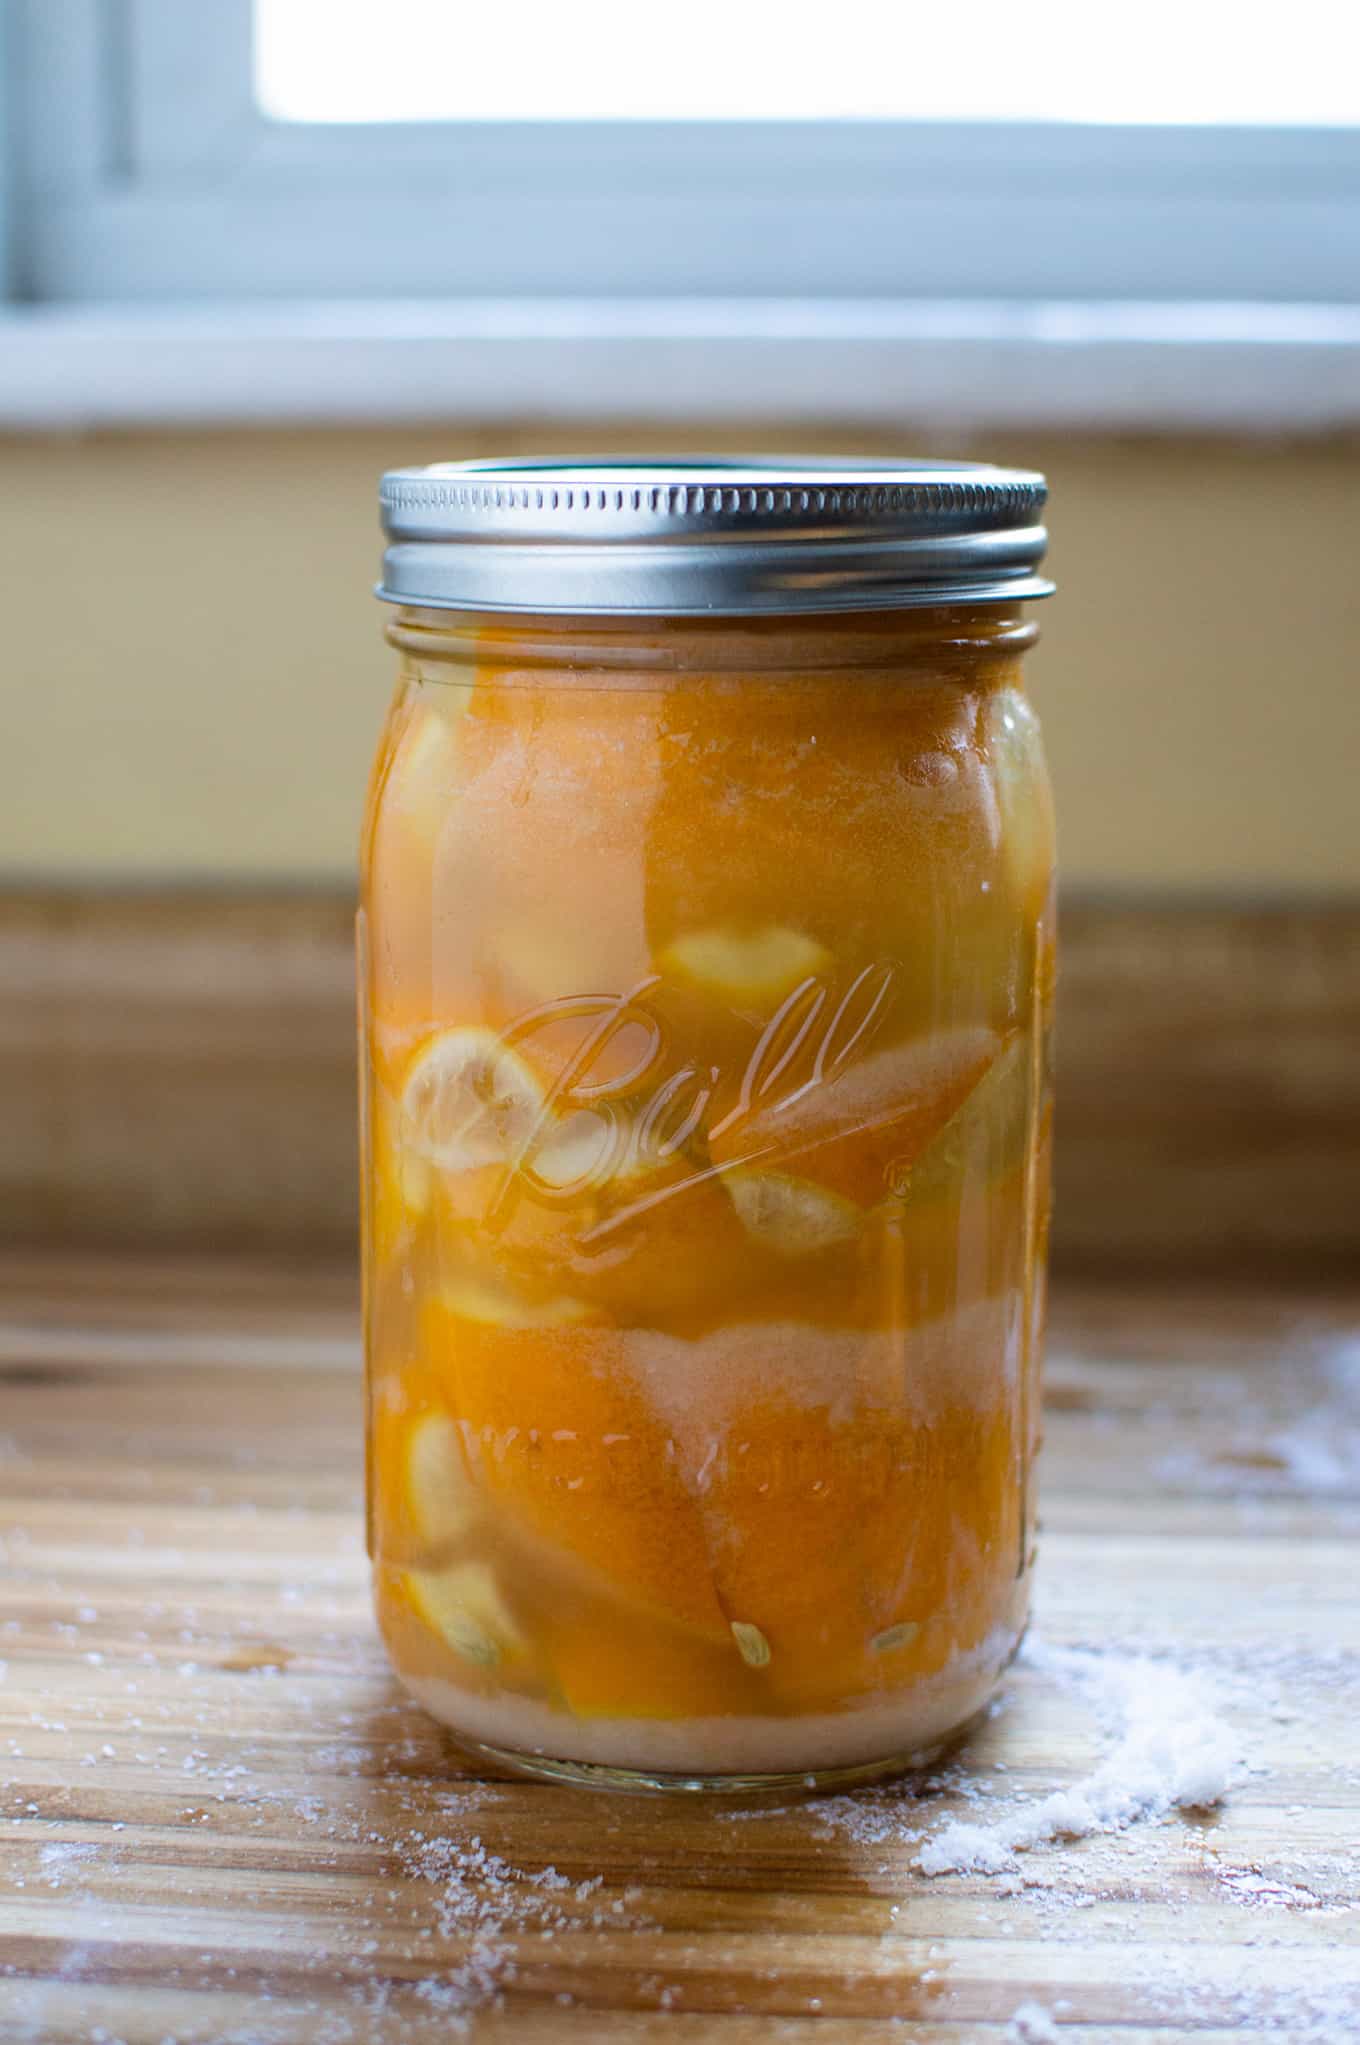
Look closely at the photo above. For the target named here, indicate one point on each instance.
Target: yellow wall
(193, 677)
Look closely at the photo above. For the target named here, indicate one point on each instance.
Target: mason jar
(706, 966)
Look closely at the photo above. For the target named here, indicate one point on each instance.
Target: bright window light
(1202, 61)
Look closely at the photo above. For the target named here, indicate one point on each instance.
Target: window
(724, 149)
(1063, 60)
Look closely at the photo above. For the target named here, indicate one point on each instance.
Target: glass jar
(706, 963)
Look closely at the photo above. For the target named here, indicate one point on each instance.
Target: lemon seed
(752, 1645)
(894, 1637)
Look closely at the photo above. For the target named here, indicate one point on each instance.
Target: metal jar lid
(710, 537)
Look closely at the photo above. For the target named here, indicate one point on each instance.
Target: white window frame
(147, 187)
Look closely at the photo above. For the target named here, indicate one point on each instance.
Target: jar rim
(712, 535)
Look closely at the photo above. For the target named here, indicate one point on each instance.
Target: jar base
(600, 1775)
(743, 1757)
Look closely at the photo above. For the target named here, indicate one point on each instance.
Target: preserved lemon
(754, 966)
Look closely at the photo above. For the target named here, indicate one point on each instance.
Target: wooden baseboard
(1209, 1086)
(177, 1070)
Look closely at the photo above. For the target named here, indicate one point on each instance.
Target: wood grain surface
(177, 1069)
(221, 1821)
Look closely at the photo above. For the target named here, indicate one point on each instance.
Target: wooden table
(222, 1822)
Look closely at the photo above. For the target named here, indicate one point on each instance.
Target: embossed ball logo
(627, 1102)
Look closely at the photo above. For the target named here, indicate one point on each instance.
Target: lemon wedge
(426, 760)
(483, 1300)
(402, 1183)
(468, 1101)
(986, 1134)
(757, 965)
(788, 1215)
(465, 1606)
(1015, 755)
(443, 1503)
(414, 1178)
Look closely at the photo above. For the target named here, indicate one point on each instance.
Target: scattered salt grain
(971, 1849)
(1317, 1452)
(481, 1897)
(1032, 2024)
(1171, 1752)
(1248, 1885)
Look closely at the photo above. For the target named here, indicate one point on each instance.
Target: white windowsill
(1265, 369)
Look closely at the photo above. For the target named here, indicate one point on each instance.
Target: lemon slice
(468, 1101)
(464, 1604)
(491, 1305)
(442, 1500)
(426, 759)
(575, 1154)
(791, 1216)
(750, 966)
